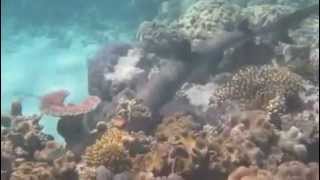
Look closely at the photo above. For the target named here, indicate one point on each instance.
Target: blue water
(43, 52)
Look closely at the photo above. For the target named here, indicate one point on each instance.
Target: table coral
(266, 87)
(53, 104)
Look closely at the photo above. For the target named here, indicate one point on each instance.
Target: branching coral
(267, 87)
(109, 151)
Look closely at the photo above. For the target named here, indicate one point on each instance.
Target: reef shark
(207, 54)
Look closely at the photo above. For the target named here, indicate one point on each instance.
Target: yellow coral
(266, 87)
(109, 151)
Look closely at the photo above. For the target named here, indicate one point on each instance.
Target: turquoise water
(39, 56)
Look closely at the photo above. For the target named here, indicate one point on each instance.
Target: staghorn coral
(267, 87)
(109, 151)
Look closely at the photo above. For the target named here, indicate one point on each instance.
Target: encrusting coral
(266, 87)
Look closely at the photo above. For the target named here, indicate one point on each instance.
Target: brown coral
(32, 171)
(267, 87)
(109, 151)
(155, 161)
(175, 125)
(132, 115)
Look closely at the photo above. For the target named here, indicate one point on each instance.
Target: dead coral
(267, 87)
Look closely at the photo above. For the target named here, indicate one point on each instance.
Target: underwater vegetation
(226, 90)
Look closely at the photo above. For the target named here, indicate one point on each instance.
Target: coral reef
(267, 87)
(244, 173)
(262, 15)
(52, 104)
(132, 115)
(149, 117)
(109, 151)
(164, 41)
(208, 18)
(285, 171)
(176, 125)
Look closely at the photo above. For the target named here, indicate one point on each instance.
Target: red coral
(53, 104)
